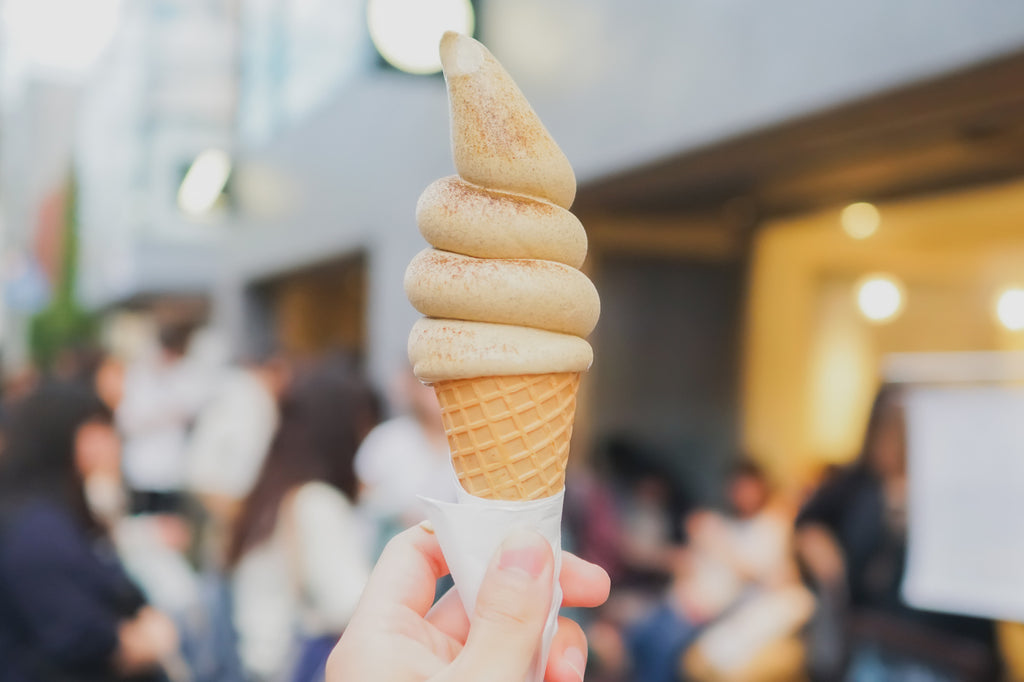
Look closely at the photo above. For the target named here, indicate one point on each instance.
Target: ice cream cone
(509, 435)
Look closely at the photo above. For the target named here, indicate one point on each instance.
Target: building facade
(700, 131)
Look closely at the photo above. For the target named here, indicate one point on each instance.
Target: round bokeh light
(880, 298)
(1010, 309)
(407, 32)
(860, 220)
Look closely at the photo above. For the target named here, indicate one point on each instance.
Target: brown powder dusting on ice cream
(496, 125)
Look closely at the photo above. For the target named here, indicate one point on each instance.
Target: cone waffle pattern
(509, 435)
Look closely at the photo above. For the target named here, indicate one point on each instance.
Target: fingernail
(427, 526)
(575, 659)
(524, 551)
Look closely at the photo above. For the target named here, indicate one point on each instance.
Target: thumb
(511, 610)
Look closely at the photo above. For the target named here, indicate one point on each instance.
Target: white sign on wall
(966, 488)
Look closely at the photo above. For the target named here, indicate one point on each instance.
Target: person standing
(231, 438)
(403, 458)
(68, 611)
(298, 555)
(162, 394)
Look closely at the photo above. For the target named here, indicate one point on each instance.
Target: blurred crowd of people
(169, 519)
(768, 588)
(177, 518)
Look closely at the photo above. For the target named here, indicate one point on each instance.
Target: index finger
(407, 571)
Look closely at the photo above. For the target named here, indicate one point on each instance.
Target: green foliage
(63, 324)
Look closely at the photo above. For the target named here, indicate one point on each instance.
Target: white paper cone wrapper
(470, 533)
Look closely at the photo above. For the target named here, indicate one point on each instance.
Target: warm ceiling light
(204, 182)
(880, 298)
(860, 220)
(407, 32)
(1010, 309)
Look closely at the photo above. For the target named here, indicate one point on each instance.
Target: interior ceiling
(970, 238)
(957, 130)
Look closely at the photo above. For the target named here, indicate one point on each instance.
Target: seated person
(735, 592)
(851, 537)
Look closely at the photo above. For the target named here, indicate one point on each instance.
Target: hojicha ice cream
(507, 309)
(506, 247)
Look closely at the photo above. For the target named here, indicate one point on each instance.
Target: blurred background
(789, 204)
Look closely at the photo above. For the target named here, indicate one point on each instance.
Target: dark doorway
(316, 309)
(667, 364)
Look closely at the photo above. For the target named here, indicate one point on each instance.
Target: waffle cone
(509, 435)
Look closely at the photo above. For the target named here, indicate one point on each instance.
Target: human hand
(160, 630)
(819, 552)
(395, 635)
(145, 641)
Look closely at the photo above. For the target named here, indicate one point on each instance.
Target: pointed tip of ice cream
(460, 55)
(497, 139)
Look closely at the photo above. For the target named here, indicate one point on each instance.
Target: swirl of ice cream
(501, 288)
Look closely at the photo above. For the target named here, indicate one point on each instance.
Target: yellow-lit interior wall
(812, 363)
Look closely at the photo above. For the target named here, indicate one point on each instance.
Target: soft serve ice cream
(507, 312)
(501, 288)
